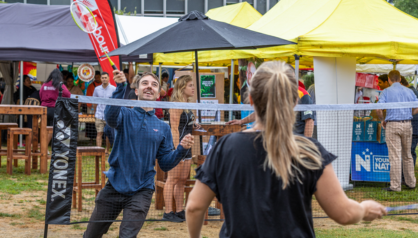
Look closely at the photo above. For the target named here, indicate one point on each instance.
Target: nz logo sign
(367, 165)
(368, 161)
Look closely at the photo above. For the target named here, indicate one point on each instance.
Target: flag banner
(105, 37)
(63, 159)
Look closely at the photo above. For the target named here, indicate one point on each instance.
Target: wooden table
(36, 112)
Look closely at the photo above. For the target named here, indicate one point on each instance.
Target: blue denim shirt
(397, 93)
(140, 138)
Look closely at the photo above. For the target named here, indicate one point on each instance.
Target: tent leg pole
(415, 78)
(198, 96)
(159, 73)
(231, 88)
(297, 67)
(21, 99)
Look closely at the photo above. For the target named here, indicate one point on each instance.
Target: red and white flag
(106, 35)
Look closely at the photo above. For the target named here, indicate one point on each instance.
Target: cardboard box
(381, 134)
(370, 131)
(358, 131)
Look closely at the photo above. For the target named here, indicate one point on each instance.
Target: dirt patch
(19, 220)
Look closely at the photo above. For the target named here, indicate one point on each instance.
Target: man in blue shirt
(140, 138)
(398, 132)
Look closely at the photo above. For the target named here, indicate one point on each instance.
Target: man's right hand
(119, 76)
(234, 122)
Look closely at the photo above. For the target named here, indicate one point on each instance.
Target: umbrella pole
(198, 95)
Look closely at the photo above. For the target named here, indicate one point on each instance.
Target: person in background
(182, 123)
(304, 123)
(383, 82)
(49, 95)
(103, 91)
(311, 91)
(129, 75)
(164, 81)
(131, 175)
(2, 85)
(398, 132)
(71, 87)
(265, 177)
(414, 123)
(74, 89)
(91, 127)
(28, 89)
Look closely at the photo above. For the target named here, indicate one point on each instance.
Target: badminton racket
(85, 20)
(407, 207)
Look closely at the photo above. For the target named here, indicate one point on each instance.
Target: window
(175, 7)
(14, 1)
(229, 2)
(198, 5)
(114, 4)
(215, 4)
(261, 6)
(273, 3)
(60, 2)
(44, 2)
(153, 6)
(130, 6)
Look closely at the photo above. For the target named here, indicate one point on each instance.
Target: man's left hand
(187, 141)
(384, 124)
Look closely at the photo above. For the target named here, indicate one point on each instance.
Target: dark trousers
(50, 116)
(413, 148)
(109, 204)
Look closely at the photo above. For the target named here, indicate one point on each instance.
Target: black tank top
(185, 127)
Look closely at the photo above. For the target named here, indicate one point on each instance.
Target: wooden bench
(211, 130)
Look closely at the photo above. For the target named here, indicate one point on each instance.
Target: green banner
(207, 86)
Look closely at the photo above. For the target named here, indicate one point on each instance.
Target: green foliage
(2, 214)
(161, 228)
(408, 6)
(308, 80)
(123, 12)
(36, 213)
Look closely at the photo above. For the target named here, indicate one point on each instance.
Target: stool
(36, 151)
(98, 184)
(3, 127)
(11, 133)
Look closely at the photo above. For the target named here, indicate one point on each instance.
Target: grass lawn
(363, 232)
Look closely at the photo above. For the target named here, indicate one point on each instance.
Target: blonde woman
(265, 177)
(182, 123)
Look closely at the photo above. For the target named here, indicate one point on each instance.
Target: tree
(408, 6)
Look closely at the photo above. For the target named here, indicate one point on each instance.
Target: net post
(46, 230)
(231, 88)
(198, 95)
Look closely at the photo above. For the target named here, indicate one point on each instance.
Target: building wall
(165, 8)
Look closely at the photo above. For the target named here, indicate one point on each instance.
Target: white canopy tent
(132, 28)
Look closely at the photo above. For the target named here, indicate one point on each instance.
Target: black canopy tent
(42, 33)
(194, 32)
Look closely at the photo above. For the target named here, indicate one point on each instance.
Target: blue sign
(370, 162)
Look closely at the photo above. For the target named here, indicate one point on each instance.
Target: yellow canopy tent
(240, 14)
(335, 28)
